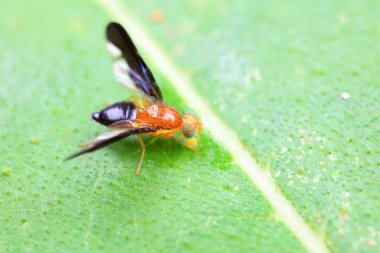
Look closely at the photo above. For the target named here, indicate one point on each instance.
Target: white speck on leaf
(347, 194)
(332, 157)
(345, 95)
(357, 161)
(255, 74)
(301, 178)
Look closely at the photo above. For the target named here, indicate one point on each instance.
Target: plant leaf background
(274, 71)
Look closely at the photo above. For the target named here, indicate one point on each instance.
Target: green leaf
(288, 162)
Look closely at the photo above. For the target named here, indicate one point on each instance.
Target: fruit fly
(146, 116)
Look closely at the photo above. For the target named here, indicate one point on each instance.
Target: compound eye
(189, 130)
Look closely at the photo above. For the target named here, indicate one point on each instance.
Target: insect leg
(135, 100)
(142, 154)
(145, 102)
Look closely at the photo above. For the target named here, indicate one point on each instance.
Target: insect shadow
(159, 149)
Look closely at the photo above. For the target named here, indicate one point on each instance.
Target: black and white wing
(128, 66)
(109, 138)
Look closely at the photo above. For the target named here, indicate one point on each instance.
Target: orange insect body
(159, 115)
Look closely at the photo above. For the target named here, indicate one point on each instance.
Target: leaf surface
(274, 72)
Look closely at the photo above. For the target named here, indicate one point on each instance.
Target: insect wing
(128, 66)
(109, 138)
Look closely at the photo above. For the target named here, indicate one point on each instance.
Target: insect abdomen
(121, 111)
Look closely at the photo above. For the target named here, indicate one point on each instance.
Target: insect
(146, 116)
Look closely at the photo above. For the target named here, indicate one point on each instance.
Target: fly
(147, 116)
